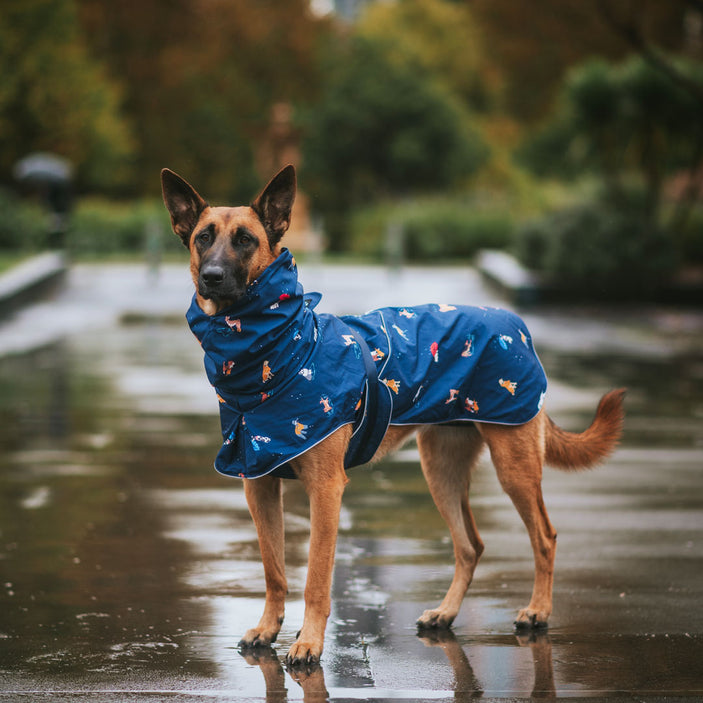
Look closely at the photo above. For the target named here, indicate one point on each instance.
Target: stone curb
(523, 287)
(31, 280)
(505, 273)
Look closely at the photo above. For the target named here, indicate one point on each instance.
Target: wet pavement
(129, 569)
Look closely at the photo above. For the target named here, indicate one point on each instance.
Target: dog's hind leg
(265, 501)
(447, 455)
(518, 455)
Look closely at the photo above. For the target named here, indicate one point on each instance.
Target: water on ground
(129, 569)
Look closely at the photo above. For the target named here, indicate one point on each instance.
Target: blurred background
(567, 132)
(565, 137)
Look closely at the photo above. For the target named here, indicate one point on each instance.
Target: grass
(10, 259)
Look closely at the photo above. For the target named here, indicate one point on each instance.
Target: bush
(454, 232)
(101, 227)
(95, 228)
(620, 120)
(692, 239)
(597, 251)
(24, 226)
(431, 230)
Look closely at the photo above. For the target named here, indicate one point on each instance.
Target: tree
(631, 125)
(55, 97)
(201, 78)
(380, 131)
(408, 32)
(532, 45)
(625, 121)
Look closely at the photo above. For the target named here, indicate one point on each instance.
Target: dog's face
(229, 246)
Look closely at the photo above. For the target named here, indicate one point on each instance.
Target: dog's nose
(212, 275)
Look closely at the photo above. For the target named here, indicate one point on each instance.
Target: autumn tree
(631, 126)
(440, 41)
(55, 97)
(532, 45)
(202, 77)
(628, 123)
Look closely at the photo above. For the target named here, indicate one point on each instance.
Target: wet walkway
(129, 569)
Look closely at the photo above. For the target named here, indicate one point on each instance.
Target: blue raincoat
(287, 377)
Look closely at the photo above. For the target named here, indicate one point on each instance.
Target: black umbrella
(42, 168)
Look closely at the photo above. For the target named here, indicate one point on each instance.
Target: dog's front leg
(323, 476)
(265, 501)
(325, 494)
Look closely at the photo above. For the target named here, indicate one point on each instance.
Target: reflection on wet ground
(129, 568)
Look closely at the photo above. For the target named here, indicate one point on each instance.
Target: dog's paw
(256, 638)
(435, 620)
(530, 619)
(304, 653)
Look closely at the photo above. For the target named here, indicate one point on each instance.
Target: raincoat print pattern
(287, 377)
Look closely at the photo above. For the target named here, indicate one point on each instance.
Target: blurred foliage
(633, 126)
(597, 251)
(54, 96)
(619, 120)
(187, 84)
(377, 131)
(100, 227)
(531, 45)
(431, 229)
(96, 228)
(23, 225)
(203, 77)
(690, 244)
(415, 98)
(407, 32)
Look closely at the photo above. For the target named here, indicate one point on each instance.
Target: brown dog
(230, 247)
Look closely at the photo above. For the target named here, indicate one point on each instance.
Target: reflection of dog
(465, 681)
(230, 250)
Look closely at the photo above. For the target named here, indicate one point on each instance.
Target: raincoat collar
(257, 329)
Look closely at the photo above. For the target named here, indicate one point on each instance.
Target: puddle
(129, 568)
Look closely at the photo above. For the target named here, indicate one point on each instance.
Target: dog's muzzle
(212, 278)
(215, 283)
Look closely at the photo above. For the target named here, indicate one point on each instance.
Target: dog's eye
(204, 237)
(244, 238)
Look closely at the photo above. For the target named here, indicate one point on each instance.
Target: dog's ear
(275, 203)
(183, 203)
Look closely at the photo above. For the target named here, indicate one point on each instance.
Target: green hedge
(96, 227)
(100, 227)
(597, 251)
(691, 239)
(431, 230)
(23, 225)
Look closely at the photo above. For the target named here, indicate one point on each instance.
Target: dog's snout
(213, 275)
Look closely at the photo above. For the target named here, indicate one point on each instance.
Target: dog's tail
(572, 450)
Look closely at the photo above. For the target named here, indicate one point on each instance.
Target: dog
(305, 395)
